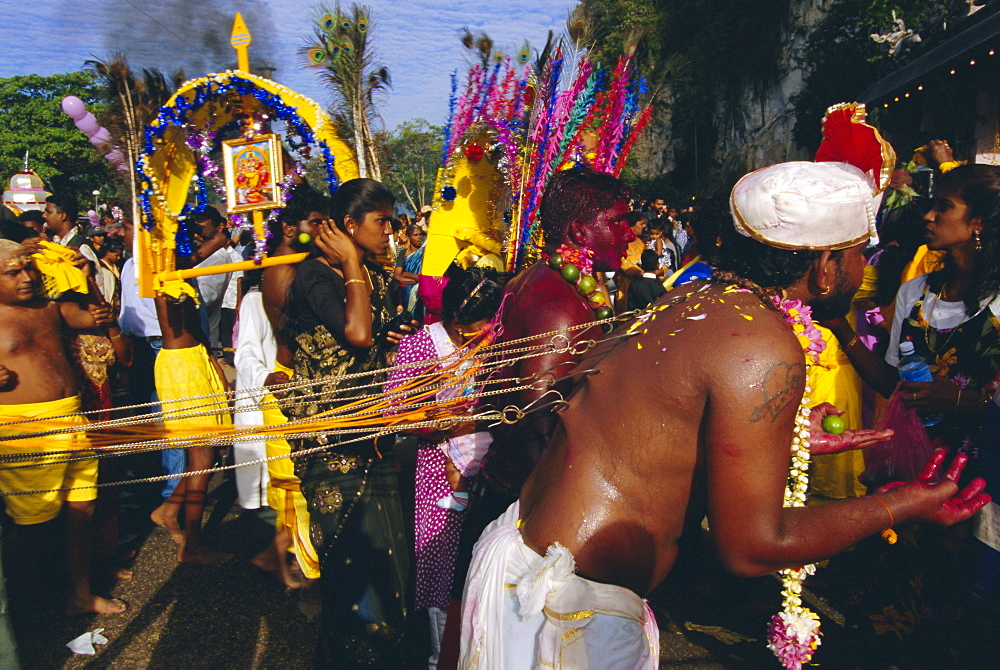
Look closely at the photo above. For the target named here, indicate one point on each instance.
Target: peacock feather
(339, 49)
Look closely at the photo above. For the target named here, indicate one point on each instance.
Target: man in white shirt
(229, 300)
(212, 288)
(60, 217)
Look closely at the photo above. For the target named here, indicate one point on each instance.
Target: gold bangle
(853, 341)
(115, 337)
(889, 535)
(958, 399)
(352, 281)
(948, 165)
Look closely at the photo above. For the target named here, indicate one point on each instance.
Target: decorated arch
(177, 164)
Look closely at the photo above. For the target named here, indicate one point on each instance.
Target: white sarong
(521, 610)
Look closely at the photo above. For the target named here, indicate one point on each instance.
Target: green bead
(305, 238)
(556, 261)
(587, 284)
(604, 313)
(570, 272)
(597, 299)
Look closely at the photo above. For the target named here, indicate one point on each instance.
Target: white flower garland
(793, 633)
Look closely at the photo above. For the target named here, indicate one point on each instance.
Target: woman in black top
(338, 309)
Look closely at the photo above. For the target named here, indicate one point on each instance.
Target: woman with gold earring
(338, 315)
(951, 315)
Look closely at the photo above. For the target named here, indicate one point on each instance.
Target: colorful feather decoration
(542, 124)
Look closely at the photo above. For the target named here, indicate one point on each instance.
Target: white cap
(803, 205)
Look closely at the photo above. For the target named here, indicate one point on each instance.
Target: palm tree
(133, 104)
(341, 50)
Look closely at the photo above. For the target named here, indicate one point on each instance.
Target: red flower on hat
(474, 152)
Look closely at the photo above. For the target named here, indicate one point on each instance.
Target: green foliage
(710, 53)
(411, 154)
(31, 119)
(842, 59)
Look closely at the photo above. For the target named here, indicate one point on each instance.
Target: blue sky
(417, 40)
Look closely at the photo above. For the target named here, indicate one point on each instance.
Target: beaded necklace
(576, 266)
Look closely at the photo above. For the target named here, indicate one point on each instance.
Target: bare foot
(120, 573)
(202, 555)
(269, 561)
(165, 516)
(95, 605)
(266, 560)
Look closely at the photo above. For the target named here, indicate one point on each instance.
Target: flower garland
(793, 634)
(577, 266)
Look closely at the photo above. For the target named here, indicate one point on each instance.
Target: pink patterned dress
(436, 529)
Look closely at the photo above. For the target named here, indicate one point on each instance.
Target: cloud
(417, 41)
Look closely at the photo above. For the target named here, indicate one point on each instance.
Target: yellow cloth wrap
(182, 374)
(55, 262)
(42, 507)
(284, 495)
(176, 289)
(834, 380)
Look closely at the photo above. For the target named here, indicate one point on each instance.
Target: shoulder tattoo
(779, 387)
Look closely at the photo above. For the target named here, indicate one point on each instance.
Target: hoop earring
(825, 291)
(979, 245)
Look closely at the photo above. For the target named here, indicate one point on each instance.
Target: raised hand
(940, 152)
(394, 337)
(937, 396)
(336, 246)
(102, 314)
(6, 377)
(822, 442)
(276, 379)
(941, 502)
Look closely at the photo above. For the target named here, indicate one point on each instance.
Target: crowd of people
(535, 540)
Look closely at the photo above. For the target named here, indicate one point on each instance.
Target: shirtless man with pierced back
(598, 521)
(37, 381)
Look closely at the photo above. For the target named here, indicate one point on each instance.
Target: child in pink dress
(469, 302)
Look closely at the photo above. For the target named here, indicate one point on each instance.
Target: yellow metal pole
(189, 273)
(240, 39)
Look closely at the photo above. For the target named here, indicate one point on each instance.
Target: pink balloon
(74, 106)
(92, 216)
(102, 136)
(88, 125)
(115, 156)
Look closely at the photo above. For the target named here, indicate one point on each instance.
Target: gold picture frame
(253, 171)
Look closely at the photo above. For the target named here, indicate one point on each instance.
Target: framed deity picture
(253, 172)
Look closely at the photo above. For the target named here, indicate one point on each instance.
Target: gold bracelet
(948, 165)
(351, 281)
(889, 535)
(958, 399)
(852, 342)
(115, 337)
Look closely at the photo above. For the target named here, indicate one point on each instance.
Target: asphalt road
(235, 616)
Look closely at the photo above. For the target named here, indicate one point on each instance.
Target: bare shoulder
(541, 301)
(727, 339)
(755, 365)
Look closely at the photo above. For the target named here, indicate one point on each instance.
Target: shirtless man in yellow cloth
(37, 382)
